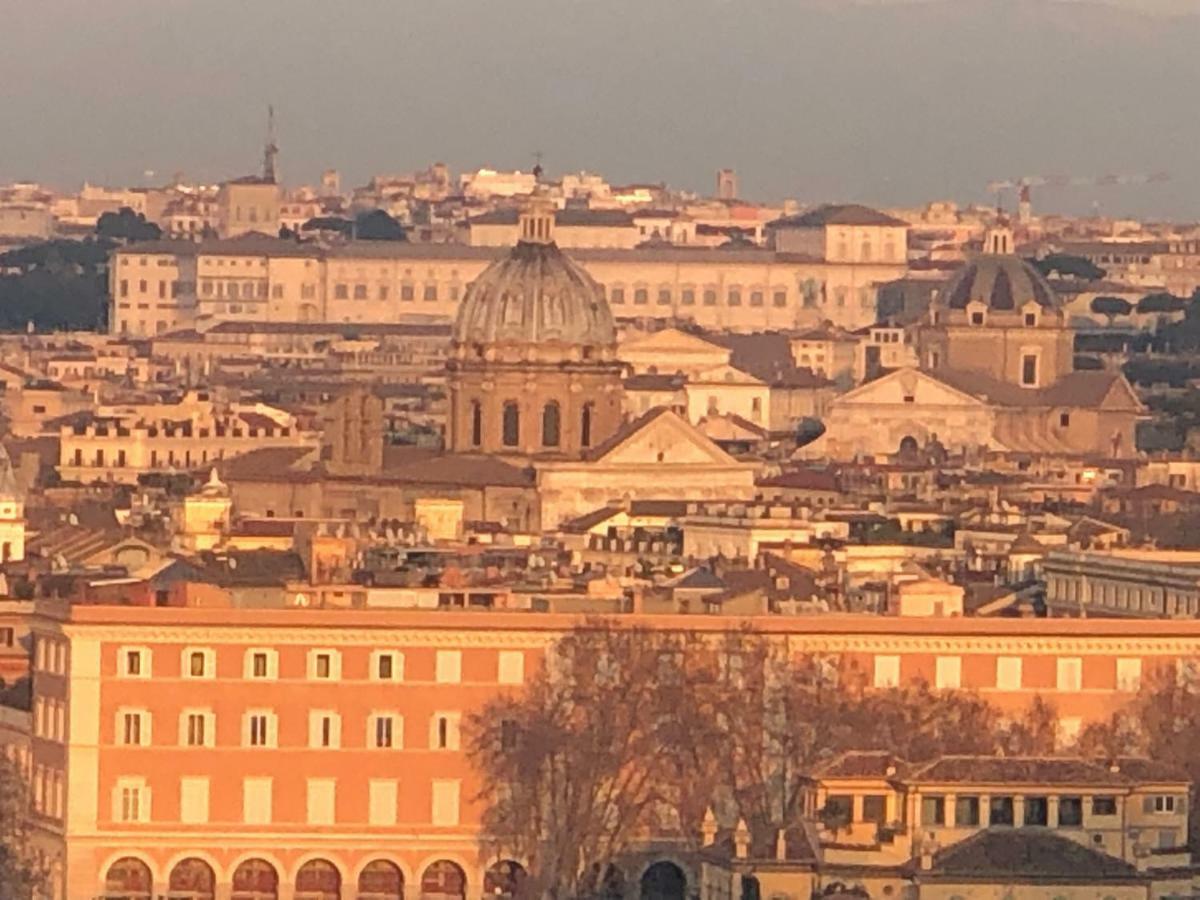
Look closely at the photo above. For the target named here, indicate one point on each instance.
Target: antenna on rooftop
(270, 149)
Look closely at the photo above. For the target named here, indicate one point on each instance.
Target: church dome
(1002, 282)
(535, 295)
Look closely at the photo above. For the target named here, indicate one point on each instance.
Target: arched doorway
(255, 879)
(128, 879)
(381, 880)
(192, 879)
(318, 879)
(444, 880)
(664, 881)
(504, 879)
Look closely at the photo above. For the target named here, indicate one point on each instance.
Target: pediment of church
(661, 437)
(724, 374)
(907, 387)
(671, 349)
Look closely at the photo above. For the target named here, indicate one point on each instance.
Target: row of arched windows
(318, 879)
(510, 424)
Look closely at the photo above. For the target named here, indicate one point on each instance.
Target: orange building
(304, 753)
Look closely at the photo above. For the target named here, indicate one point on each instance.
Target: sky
(887, 102)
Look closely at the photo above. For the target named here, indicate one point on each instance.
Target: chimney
(741, 840)
(708, 828)
(780, 845)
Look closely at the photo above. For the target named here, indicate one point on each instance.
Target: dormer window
(1030, 319)
(976, 318)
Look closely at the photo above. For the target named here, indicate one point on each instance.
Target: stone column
(1052, 811)
(985, 810)
(951, 812)
(1018, 810)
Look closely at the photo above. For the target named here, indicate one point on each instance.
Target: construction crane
(1023, 186)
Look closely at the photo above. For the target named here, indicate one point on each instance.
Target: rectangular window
(779, 299)
(445, 803)
(710, 297)
(131, 800)
(445, 731)
(887, 671)
(360, 292)
(134, 728)
(324, 665)
(966, 811)
(448, 667)
(664, 297)
(256, 801)
(383, 799)
(259, 729)
(641, 297)
(135, 663)
(385, 732)
(687, 297)
(406, 293)
(1008, 673)
(933, 810)
(1064, 420)
(874, 809)
(735, 297)
(756, 298)
(193, 800)
(387, 666)
(949, 672)
(1163, 803)
(1129, 675)
(1000, 810)
(1104, 806)
(321, 801)
(512, 667)
(324, 729)
(341, 292)
(197, 666)
(262, 664)
(617, 296)
(196, 731)
(1029, 367)
(1069, 674)
(1037, 811)
(1070, 812)
(431, 293)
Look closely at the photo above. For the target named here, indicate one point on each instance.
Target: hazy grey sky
(882, 101)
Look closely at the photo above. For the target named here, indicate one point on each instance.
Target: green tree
(1068, 265)
(1161, 302)
(377, 225)
(126, 226)
(1111, 307)
(20, 876)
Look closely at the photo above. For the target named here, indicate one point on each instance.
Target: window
(641, 297)
(1008, 673)
(448, 667)
(1037, 811)
(259, 729)
(1070, 674)
(1163, 803)
(710, 297)
(387, 665)
(735, 297)
(324, 665)
(407, 293)
(874, 809)
(197, 728)
(839, 810)
(1129, 674)
(779, 299)
(617, 295)
(511, 667)
(1064, 420)
(476, 424)
(976, 318)
(585, 425)
(430, 293)
(1104, 806)
(445, 803)
(1029, 370)
(193, 800)
(511, 424)
(341, 292)
(360, 292)
(1070, 812)
(133, 727)
(1000, 810)
(966, 810)
(324, 729)
(135, 662)
(382, 801)
(687, 297)
(262, 664)
(385, 731)
(933, 810)
(664, 296)
(256, 801)
(949, 672)
(197, 663)
(444, 731)
(131, 800)
(1030, 319)
(887, 671)
(550, 425)
(321, 801)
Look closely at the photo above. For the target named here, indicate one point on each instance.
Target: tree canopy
(20, 876)
(1111, 307)
(377, 225)
(1161, 302)
(126, 225)
(1068, 265)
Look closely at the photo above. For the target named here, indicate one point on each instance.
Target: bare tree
(20, 875)
(1034, 734)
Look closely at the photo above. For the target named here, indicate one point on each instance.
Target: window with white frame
(887, 672)
(948, 673)
(321, 801)
(197, 662)
(256, 801)
(383, 797)
(133, 662)
(1069, 674)
(131, 800)
(324, 665)
(133, 727)
(385, 730)
(448, 667)
(324, 729)
(262, 664)
(197, 728)
(444, 731)
(511, 667)
(387, 665)
(193, 800)
(1008, 673)
(1129, 674)
(259, 728)
(1163, 803)
(445, 803)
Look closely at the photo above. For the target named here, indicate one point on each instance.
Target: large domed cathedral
(996, 373)
(533, 370)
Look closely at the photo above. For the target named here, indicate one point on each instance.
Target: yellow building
(248, 205)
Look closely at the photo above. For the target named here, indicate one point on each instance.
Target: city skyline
(1004, 90)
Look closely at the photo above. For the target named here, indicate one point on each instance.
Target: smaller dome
(1004, 283)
